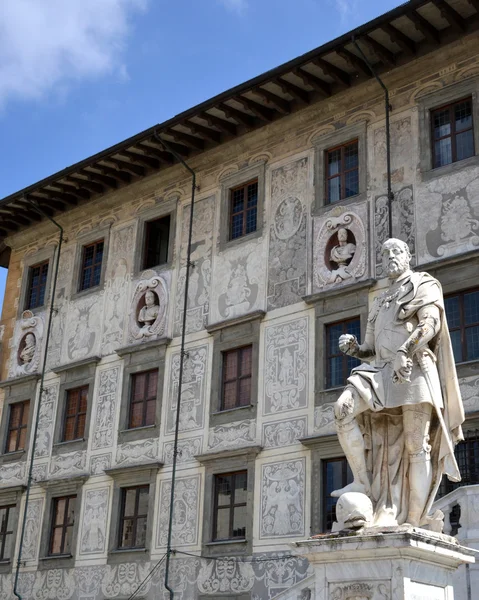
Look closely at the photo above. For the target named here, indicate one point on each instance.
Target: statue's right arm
(366, 349)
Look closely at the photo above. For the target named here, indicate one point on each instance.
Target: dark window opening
(229, 520)
(157, 239)
(342, 172)
(17, 426)
(7, 514)
(143, 399)
(75, 414)
(338, 364)
(63, 518)
(243, 209)
(452, 133)
(236, 385)
(92, 257)
(336, 474)
(37, 285)
(133, 516)
(462, 312)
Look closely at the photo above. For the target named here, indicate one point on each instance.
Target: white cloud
(44, 44)
(237, 6)
(347, 10)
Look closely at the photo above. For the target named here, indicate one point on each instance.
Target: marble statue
(341, 254)
(401, 411)
(28, 352)
(149, 313)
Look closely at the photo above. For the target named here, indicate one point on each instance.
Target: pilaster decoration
(94, 521)
(28, 344)
(339, 251)
(148, 308)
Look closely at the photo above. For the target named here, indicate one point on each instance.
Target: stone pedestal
(397, 563)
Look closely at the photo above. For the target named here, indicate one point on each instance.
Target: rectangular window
(342, 172)
(339, 365)
(157, 239)
(17, 426)
(143, 399)
(229, 520)
(462, 312)
(336, 474)
(75, 414)
(236, 375)
(6, 531)
(92, 257)
(243, 209)
(63, 518)
(134, 512)
(37, 285)
(452, 133)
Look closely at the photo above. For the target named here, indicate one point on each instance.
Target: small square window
(133, 517)
(7, 526)
(452, 133)
(236, 378)
(75, 414)
(462, 313)
(143, 399)
(336, 474)
(63, 519)
(342, 172)
(157, 239)
(17, 426)
(37, 285)
(338, 364)
(92, 258)
(243, 213)
(230, 502)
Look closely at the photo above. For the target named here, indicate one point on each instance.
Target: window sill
(66, 442)
(240, 240)
(230, 410)
(127, 550)
(91, 290)
(323, 207)
(227, 542)
(55, 556)
(13, 456)
(430, 174)
(142, 428)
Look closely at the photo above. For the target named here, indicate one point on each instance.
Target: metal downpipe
(37, 418)
(390, 194)
(182, 357)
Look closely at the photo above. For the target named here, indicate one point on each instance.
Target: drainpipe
(390, 194)
(183, 355)
(44, 368)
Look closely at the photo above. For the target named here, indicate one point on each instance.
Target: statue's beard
(395, 268)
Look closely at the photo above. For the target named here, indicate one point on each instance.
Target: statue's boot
(420, 479)
(352, 442)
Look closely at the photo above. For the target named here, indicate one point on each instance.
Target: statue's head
(396, 257)
(150, 298)
(343, 235)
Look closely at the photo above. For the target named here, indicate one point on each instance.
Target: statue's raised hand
(348, 344)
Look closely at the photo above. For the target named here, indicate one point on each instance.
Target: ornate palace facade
(289, 217)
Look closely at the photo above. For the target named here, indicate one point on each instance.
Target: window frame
(450, 106)
(237, 379)
(166, 208)
(3, 534)
(231, 507)
(245, 189)
(30, 286)
(64, 525)
(342, 174)
(146, 237)
(462, 326)
(145, 400)
(88, 239)
(77, 414)
(324, 495)
(17, 429)
(135, 517)
(83, 268)
(47, 254)
(345, 357)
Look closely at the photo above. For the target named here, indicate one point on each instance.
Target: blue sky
(77, 76)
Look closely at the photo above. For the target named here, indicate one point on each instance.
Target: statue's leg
(347, 407)
(417, 421)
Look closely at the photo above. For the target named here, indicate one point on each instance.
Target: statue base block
(391, 563)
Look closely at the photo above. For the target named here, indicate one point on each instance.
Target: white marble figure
(401, 411)
(28, 352)
(149, 313)
(341, 255)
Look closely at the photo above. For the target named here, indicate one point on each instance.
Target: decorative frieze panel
(46, 418)
(71, 463)
(470, 393)
(149, 308)
(276, 572)
(340, 247)
(193, 390)
(185, 511)
(88, 581)
(403, 223)
(200, 273)
(94, 521)
(282, 499)
(324, 419)
(284, 433)
(286, 366)
(360, 590)
(99, 463)
(123, 580)
(27, 345)
(82, 327)
(233, 435)
(54, 584)
(187, 450)
(12, 474)
(225, 575)
(40, 472)
(239, 281)
(137, 452)
(287, 263)
(105, 408)
(33, 523)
